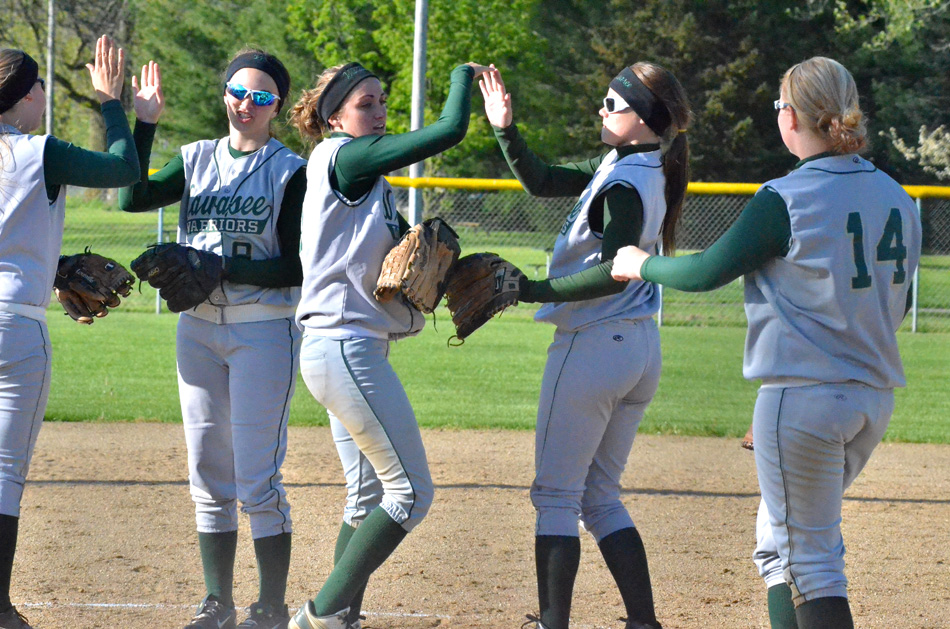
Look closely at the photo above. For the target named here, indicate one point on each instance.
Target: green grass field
(122, 368)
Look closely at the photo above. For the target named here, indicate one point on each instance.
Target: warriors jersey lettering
(578, 247)
(230, 206)
(828, 310)
(28, 216)
(338, 283)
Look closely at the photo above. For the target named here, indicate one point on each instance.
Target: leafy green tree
(901, 59)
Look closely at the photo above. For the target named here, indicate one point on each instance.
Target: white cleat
(306, 618)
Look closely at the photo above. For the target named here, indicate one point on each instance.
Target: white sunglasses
(781, 104)
(615, 105)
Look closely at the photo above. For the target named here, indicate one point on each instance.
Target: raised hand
(497, 98)
(108, 69)
(149, 99)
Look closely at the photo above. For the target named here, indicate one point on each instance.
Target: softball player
(828, 252)
(350, 223)
(34, 170)
(238, 352)
(587, 418)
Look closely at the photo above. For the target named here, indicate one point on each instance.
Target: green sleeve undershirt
(761, 232)
(360, 162)
(616, 212)
(67, 164)
(539, 178)
(623, 224)
(167, 186)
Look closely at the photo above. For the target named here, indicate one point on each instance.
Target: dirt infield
(107, 534)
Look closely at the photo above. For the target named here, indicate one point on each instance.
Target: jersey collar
(630, 149)
(813, 158)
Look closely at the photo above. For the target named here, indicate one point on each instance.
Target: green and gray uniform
(34, 169)
(238, 352)
(588, 415)
(828, 253)
(349, 224)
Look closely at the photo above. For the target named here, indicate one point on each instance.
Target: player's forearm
(150, 192)
(588, 284)
(286, 269)
(539, 178)
(273, 273)
(67, 164)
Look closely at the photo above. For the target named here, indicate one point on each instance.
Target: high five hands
(497, 99)
(107, 70)
(149, 99)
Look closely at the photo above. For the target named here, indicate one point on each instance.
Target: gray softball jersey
(342, 251)
(578, 247)
(230, 206)
(828, 311)
(31, 227)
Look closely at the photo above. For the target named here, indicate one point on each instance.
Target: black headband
(650, 108)
(21, 81)
(339, 88)
(268, 64)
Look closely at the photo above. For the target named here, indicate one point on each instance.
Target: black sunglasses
(42, 83)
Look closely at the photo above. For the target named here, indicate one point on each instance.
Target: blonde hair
(674, 143)
(304, 115)
(825, 99)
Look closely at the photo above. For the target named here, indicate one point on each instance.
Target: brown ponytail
(674, 144)
(304, 114)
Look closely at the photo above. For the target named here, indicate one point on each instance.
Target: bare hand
(149, 99)
(479, 69)
(108, 71)
(627, 263)
(497, 99)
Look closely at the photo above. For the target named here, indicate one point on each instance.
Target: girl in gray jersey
(828, 252)
(587, 415)
(238, 352)
(34, 173)
(349, 224)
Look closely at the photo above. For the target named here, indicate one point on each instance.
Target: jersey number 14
(889, 247)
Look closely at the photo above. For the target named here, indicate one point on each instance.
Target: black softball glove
(183, 275)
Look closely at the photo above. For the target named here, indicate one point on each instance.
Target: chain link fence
(494, 216)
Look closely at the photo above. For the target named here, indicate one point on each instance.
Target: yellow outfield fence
(695, 187)
(497, 215)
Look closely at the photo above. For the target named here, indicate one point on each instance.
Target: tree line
(556, 56)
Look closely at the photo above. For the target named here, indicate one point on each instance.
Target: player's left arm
(622, 226)
(67, 164)
(761, 232)
(284, 270)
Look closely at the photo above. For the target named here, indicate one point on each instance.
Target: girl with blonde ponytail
(588, 416)
(827, 252)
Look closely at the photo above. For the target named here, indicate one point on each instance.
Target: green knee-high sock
(781, 608)
(342, 541)
(217, 560)
(627, 560)
(830, 612)
(557, 558)
(273, 564)
(372, 543)
(9, 526)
